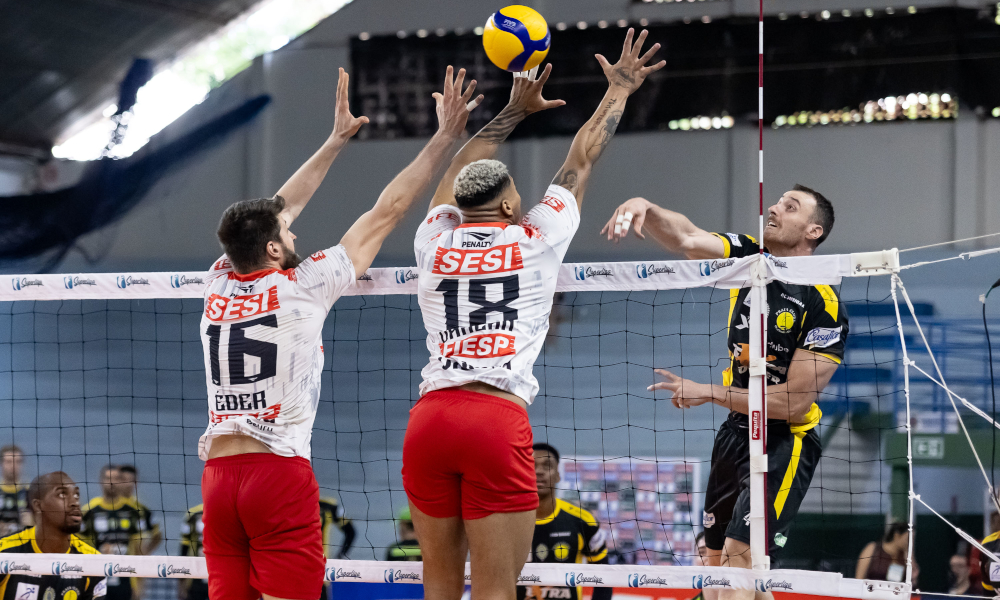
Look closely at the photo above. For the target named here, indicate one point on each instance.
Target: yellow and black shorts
(792, 460)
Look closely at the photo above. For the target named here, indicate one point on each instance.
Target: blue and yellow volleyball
(516, 38)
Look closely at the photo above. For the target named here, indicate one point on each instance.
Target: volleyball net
(99, 369)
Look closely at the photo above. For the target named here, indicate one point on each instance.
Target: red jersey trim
(489, 224)
(289, 273)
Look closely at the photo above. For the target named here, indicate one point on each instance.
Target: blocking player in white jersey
(487, 277)
(261, 332)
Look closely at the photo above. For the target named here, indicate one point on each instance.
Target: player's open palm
(631, 70)
(526, 94)
(454, 106)
(345, 125)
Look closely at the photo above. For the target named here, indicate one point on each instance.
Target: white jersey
(486, 293)
(262, 338)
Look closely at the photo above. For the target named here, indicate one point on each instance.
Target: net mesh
(85, 383)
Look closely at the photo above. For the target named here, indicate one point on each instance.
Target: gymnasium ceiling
(61, 60)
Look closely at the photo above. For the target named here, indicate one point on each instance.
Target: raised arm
(363, 240)
(672, 230)
(624, 77)
(808, 375)
(525, 99)
(301, 186)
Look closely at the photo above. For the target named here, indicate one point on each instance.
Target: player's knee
(736, 554)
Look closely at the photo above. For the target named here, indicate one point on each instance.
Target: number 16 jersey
(262, 338)
(485, 291)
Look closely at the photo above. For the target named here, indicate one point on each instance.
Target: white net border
(578, 277)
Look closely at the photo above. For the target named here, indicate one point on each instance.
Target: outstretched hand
(345, 125)
(629, 72)
(526, 94)
(686, 393)
(453, 106)
(618, 225)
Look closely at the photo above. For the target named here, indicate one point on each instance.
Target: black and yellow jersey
(989, 569)
(807, 317)
(111, 527)
(569, 535)
(404, 550)
(13, 504)
(61, 586)
(331, 514)
(193, 532)
(148, 524)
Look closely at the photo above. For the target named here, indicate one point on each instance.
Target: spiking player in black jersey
(806, 333)
(563, 533)
(55, 503)
(15, 514)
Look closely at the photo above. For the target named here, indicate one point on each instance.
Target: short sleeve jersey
(569, 535)
(149, 522)
(63, 584)
(485, 291)
(13, 502)
(810, 318)
(111, 527)
(989, 568)
(263, 346)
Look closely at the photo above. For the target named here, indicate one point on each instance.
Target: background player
(563, 533)
(261, 333)
(806, 333)
(331, 514)
(407, 548)
(487, 277)
(111, 525)
(148, 535)
(55, 505)
(191, 544)
(15, 514)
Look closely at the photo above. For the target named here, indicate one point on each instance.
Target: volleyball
(516, 38)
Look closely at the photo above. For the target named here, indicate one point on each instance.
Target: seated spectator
(886, 560)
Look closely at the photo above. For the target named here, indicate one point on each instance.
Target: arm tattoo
(622, 77)
(566, 178)
(497, 130)
(610, 126)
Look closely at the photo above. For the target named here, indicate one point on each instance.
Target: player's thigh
(443, 546)
(725, 480)
(790, 471)
(499, 545)
(229, 578)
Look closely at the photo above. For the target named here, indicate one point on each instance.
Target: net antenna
(757, 398)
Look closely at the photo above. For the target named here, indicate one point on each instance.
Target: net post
(758, 417)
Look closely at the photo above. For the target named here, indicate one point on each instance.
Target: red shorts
(468, 454)
(262, 528)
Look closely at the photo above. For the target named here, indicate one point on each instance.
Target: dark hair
(129, 469)
(699, 537)
(245, 229)
(823, 215)
(895, 529)
(41, 485)
(547, 448)
(11, 449)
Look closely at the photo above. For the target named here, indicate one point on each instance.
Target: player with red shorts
(487, 277)
(261, 332)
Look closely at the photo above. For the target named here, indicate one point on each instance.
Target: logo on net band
(705, 581)
(575, 579)
(177, 281)
(582, 273)
(124, 281)
(399, 576)
(166, 570)
(770, 584)
(62, 568)
(112, 569)
(404, 275)
(339, 574)
(641, 580)
(708, 267)
(71, 282)
(646, 270)
(23, 282)
(9, 566)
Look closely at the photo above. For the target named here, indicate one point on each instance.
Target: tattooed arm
(624, 77)
(525, 99)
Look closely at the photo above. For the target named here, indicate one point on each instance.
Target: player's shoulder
(993, 537)
(80, 546)
(328, 504)
(576, 512)
(195, 510)
(13, 488)
(19, 542)
(97, 503)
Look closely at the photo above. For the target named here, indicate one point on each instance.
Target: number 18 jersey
(485, 291)
(262, 338)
